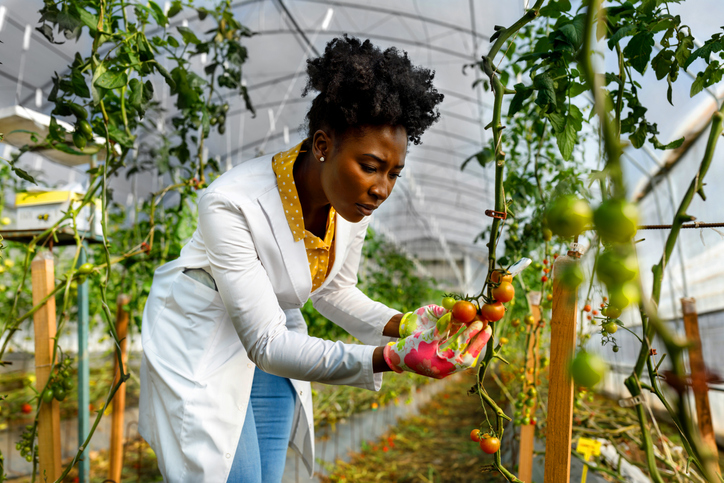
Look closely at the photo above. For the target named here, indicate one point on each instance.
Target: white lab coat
(201, 346)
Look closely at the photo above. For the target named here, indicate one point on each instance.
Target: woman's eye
(367, 168)
(395, 175)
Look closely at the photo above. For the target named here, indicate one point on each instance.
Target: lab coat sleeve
(345, 305)
(249, 298)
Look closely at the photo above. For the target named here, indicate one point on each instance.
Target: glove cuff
(386, 353)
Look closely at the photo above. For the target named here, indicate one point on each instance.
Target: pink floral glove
(420, 319)
(428, 353)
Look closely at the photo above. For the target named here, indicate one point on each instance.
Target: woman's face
(361, 169)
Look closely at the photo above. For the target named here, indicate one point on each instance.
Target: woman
(227, 358)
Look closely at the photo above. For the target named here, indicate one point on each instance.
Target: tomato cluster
(25, 445)
(525, 407)
(60, 382)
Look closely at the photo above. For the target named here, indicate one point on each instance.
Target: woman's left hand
(420, 319)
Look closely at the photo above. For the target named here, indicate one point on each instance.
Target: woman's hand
(420, 319)
(428, 353)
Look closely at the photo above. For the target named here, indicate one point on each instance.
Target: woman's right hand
(420, 319)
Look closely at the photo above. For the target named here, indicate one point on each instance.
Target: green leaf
(624, 31)
(568, 137)
(80, 88)
(188, 35)
(135, 97)
(558, 121)
(96, 91)
(522, 93)
(120, 136)
(162, 70)
(483, 158)
(638, 50)
(647, 6)
(546, 98)
(704, 52)
(157, 13)
(662, 62)
(88, 19)
(23, 174)
(638, 138)
(175, 8)
(573, 32)
(112, 80)
(698, 85)
(683, 50)
(671, 145)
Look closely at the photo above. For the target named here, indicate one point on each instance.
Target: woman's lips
(365, 210)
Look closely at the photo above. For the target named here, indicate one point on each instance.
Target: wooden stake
(527, 431)
(119, 400)
(699, 376)
(43, 280)
(560, 388)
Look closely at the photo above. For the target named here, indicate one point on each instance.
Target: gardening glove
(430, 353)
(420, 319)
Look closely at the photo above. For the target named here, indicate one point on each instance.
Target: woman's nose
(381, 190)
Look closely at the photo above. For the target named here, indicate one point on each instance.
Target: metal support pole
(83, 373)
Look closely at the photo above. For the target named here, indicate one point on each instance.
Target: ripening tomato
(503, 340)
(464, 311)
(493, 312)
(495, 277)
(505, 292)
(515, 322)
(549, 297)
(26, 408)
(489, 444)
(475, 435)
(587, 308)
(610, 327)
(529, 320)
(595, 312)
(448, 303)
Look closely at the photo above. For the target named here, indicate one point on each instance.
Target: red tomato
(587, 308)
(475, 435)
(545, 270)
(595, 312)
(464, 311)
(493, 312)
(505, 292)
(26, 408)
(545, 262)
(544, 279)
(489, 444)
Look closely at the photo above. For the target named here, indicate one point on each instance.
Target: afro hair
(359, 85)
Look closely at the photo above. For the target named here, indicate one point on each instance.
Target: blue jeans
(262, 450)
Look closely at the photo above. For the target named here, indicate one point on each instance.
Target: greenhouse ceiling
(437, 210)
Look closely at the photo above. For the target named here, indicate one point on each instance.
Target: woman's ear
(321, 144)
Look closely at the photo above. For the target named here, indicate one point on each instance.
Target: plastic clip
(496, 214)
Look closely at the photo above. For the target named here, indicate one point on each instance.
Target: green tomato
(617, 266)
(47, 396)
(64, 374)
(612, 311)
(79, 140)
(616, 220)
(448, 302)
(615, 348)
(623, 295)
(86, 269)
(568, 216)
(547, 234)
(68, 384)
(610, 327)
(588, 369)
(85, 129)
(59, 392)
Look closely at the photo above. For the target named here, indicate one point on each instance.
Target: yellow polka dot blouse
(320, 253)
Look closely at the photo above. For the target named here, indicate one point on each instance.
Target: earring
(321, 159)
